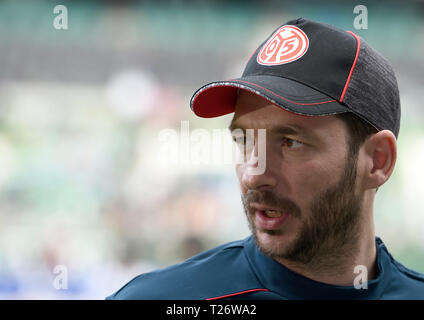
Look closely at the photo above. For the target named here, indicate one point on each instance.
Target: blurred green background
(80, 114)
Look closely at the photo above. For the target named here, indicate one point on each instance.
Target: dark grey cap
(312, 68)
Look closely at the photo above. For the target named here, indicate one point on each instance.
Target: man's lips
(262, 207)
(266, 222)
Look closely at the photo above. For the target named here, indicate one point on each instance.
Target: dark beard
(329, 233)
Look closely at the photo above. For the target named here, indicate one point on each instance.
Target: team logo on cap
(286, 45)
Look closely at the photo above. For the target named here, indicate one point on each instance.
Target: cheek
(311, 178)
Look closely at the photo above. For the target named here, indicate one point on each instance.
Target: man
(330, 106)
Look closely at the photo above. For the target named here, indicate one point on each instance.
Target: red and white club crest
(286, 45)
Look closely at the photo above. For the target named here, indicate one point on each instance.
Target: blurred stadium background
(80, 114)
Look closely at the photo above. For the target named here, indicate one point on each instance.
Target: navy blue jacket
(238, 270)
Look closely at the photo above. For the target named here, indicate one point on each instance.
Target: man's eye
(243, 141)
(292, 144)
(240, 140)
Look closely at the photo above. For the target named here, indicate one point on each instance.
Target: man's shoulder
(218, 271)
(406, 283)
(413, 280)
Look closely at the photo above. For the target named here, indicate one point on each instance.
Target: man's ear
(381, 153)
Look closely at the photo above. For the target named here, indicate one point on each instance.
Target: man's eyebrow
(292, 129)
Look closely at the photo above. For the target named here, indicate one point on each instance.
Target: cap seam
(358, 48)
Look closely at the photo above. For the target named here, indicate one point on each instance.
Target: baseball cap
(312, 68)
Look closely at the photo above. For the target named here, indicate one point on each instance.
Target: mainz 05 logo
(286, 45)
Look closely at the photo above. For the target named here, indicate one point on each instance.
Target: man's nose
(262, 181)
(252, 178)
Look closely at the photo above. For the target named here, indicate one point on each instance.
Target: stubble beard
(331, 231)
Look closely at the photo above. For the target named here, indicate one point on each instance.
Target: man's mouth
(270, 221)
(267, 217)
(266, 210)
(272, 213)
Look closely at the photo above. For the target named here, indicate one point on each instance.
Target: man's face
(308, 184)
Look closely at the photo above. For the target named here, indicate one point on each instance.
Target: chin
(273, 243)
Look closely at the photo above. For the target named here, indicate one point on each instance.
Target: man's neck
(338, 268)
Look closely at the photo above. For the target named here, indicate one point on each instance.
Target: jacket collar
(289, 284)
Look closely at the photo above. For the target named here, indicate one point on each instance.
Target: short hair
(358, 131)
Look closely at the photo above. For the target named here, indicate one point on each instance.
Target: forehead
(252, 111)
